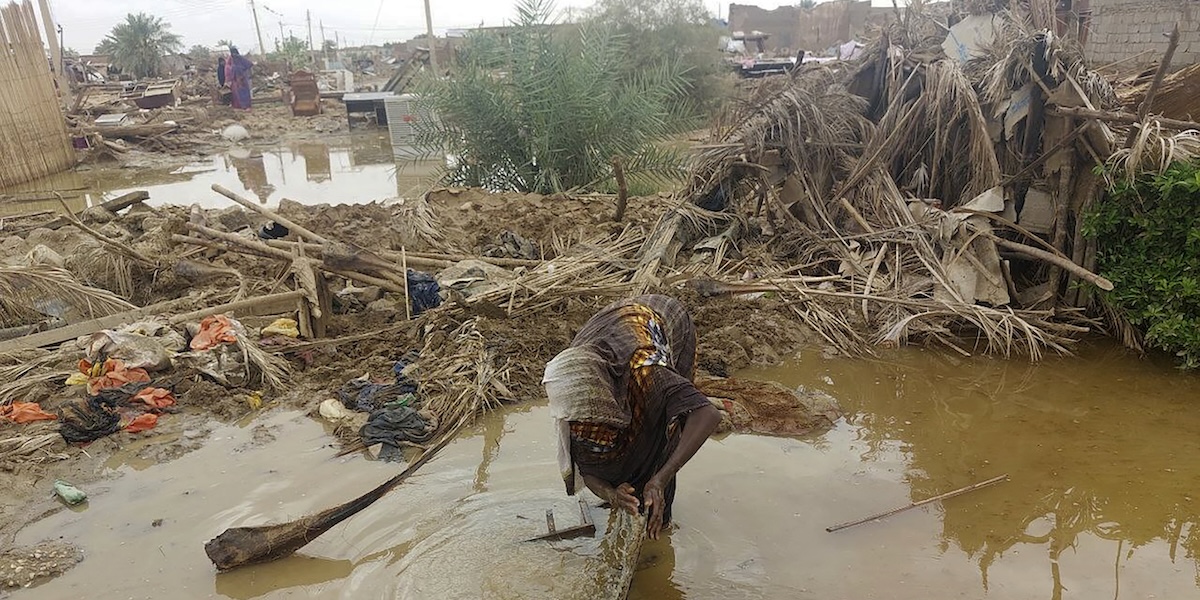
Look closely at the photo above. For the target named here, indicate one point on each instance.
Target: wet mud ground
(1101, 502)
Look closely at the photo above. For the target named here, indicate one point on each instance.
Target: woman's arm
(620, 497)
(698, 425)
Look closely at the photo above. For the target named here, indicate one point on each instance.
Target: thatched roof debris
(901, 184)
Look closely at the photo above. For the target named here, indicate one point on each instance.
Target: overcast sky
(85, 22)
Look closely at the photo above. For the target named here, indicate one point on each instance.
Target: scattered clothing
(88, 421)
(272, 231)
(284, 327)
(396, 427)
(142, 423)
(363, 395)
(214, 331)
(112, 373)
(24, 412)
(619, 393)
(154, 398)
(423, 291)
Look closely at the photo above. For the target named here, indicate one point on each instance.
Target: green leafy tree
(545, 108)
(1147, 233)
(199, 53)
(138, 44)
(224, 44)
(679, 31)
(807, 4)
(330, 46)
(293, 51)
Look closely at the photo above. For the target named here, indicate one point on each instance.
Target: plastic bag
(154, 398)
(214, 331)
(142, 423)
(25, 412)
(113, 373)
(69, 493)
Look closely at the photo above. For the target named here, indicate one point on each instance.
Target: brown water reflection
(1102, 455)
(355, 169)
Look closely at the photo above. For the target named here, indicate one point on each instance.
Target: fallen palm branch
(25, 287)
(241, 546)
(459, 379)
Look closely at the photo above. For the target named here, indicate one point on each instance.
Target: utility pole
(279, 45)
(432, 40)
(55, 53)
(261, 46)
(312, 57)
(324, 50)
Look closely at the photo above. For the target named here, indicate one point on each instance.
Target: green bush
(1147, 232)
(544, 108)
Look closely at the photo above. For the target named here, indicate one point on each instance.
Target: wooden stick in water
(950, 494)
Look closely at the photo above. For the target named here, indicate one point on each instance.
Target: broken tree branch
(1152, 91)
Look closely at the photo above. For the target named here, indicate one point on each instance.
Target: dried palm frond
(24, 290)
(947, 136)
(813, 122)
(262, 368)
(20, 389)
(1155, 149)
(36, 443)
(419, 223)
(101, 267)
(460, 376)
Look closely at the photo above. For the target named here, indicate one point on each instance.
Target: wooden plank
(265, 305)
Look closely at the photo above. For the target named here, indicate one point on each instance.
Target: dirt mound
(769, 408)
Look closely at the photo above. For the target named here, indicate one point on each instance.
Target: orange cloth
(155, 398)
(113, 374)
(214, 331)
(25, 412)
(142, 423)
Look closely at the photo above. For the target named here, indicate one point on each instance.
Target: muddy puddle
(1101, 451)
(346, 170)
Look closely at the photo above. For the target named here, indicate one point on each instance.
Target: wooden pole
(1148, 101)
(433, 63)
(262, 48)
(64, 88)
(622, 189)
(960, 491)
(1120, 117)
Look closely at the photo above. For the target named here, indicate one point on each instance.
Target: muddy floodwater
(343, 170)
(1102, 503)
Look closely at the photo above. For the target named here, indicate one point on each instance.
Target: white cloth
(579, 386)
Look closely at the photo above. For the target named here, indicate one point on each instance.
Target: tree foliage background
(544, 107)
(138, 44)
(679, 31)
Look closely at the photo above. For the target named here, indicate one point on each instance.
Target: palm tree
(138, 44)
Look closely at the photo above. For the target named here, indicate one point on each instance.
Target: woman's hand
(622, 498)
(655, 506)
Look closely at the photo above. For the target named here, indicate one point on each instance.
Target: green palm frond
(546, 107)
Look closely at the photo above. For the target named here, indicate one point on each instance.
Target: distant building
(814, 30)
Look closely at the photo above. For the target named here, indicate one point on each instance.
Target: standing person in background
(221, 72)
(237, 75)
